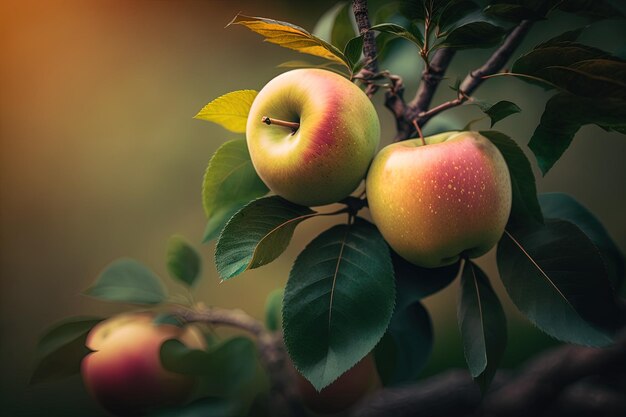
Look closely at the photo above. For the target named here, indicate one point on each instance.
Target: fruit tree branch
(432, 75)
(359, 8)
(498, 59)
(550, 384)
(565, 381)
(284, 398)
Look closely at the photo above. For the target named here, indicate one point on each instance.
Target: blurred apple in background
(438, 202)
(346, 391)
(312, 135)
(124, 372)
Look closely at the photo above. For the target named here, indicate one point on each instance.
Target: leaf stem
(424, 50)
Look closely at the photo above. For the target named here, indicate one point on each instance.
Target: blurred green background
(100, 158)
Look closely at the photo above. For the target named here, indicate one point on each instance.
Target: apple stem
(419, 131)
(270, 121)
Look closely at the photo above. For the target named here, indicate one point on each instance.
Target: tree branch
(431, 77)
(284, 397)
(547, 382)
(498, 59)
(394, 101)
(546, 377)
(430, 80)
(559, 382)
(361, 15)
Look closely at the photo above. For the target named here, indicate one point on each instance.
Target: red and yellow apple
(124, 372)
(438, 202)
(349, 388)
(312, 134)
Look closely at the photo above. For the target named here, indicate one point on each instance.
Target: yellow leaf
(230, 110)
(291, 36)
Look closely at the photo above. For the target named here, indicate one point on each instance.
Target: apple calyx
(294, 126)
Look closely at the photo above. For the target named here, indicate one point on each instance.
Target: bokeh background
(100, 158)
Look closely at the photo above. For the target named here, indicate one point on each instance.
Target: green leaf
(512, 12)
(482, 324)
(343, 29)
(573, 67)
(183, 262)
(564, 115)
(591, 78)
(353, 51)
(385, 12)
(338, 301)
(291, 36)
(413, 10)
(230, 110)
(477, 34)
(128, 281)
(230, 182)
(498, 111)
(557, 278)
(553, 53)
(218, 220)
(413, 35)
(273, 310)
(228, 366)
(594, 85)
(568, 36)
(257, 234)
(62, 348)
(335, 26)
(525, 203)
(414, 283)
(324, 27)
(565, 207)
(387, 45)
(404, 350)
(454, 14)
(594, 9)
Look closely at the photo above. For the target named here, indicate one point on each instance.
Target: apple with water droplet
(440, 199)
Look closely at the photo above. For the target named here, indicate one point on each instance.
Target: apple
(344, 392)
(441, 201)
(312, 134)
(124, 372)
